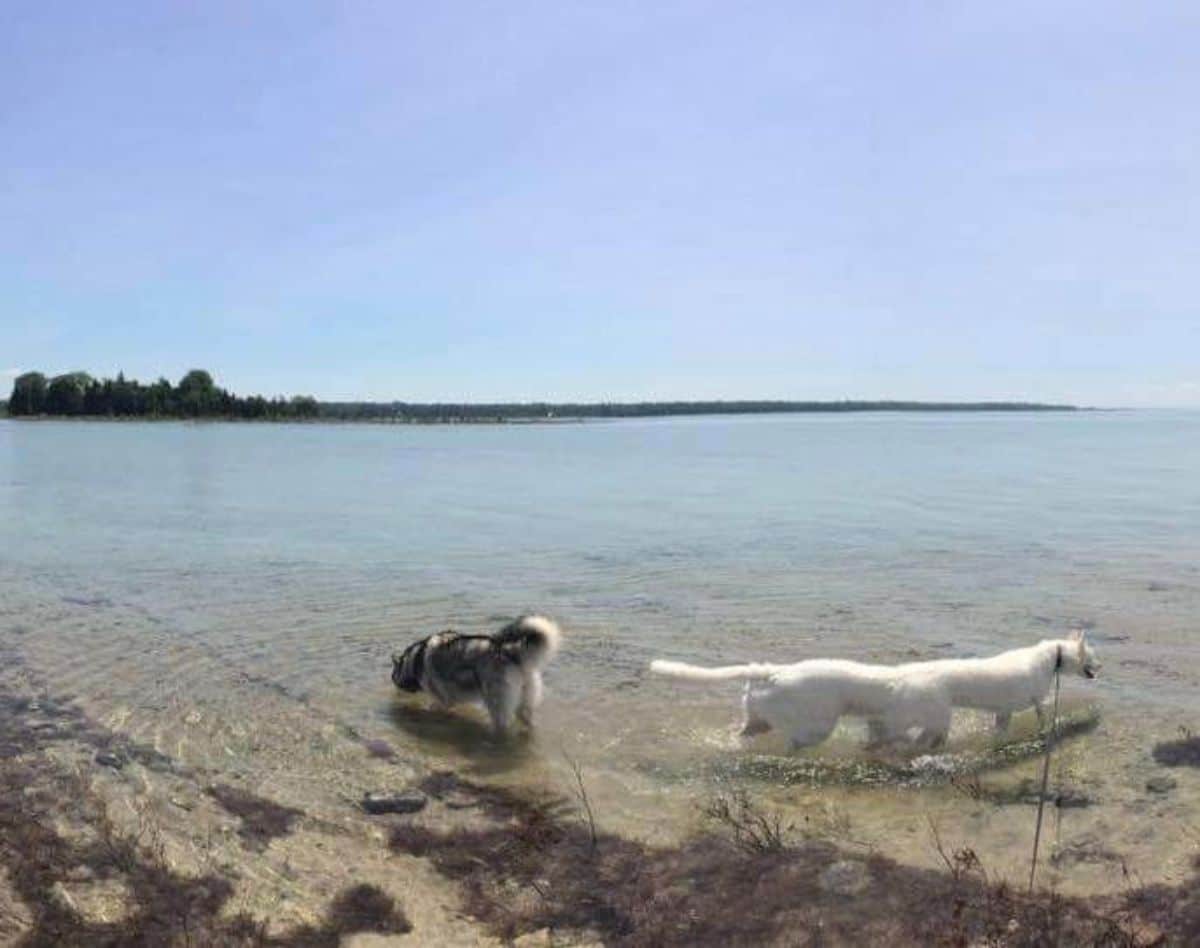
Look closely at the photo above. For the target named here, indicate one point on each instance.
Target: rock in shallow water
(110, 760)
(1161, 784)
(407, 801)
(846, 877)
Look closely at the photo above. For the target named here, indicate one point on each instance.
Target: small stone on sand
(407, 801)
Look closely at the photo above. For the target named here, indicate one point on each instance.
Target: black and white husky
(503, 671)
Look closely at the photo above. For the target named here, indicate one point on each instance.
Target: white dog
(805, 700)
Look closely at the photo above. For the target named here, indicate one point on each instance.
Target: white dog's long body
(805, 700)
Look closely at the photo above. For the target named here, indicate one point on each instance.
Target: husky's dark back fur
(458, 659)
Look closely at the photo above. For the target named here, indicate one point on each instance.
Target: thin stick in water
(1050, 739)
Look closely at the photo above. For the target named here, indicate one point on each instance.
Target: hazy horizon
(608, 203)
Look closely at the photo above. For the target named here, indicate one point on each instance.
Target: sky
(606, 201)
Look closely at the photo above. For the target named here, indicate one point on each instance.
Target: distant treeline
(197, 396)
(542, 411)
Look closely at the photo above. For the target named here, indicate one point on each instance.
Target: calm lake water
(165, 574)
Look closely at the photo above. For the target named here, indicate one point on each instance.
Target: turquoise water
(301, 555)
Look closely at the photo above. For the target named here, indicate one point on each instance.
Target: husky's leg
(1003, 719)
(501, 695)
(531, 697)
(1039, 708)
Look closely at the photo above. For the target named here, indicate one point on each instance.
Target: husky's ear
(1077, 635)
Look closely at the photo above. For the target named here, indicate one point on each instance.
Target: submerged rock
(1068, 798)
(845, 877)
(1029, 790)
(110, 760)
(406, 801)
(539, 939)
(380, 749)
(1088, 848)
(1161, 784)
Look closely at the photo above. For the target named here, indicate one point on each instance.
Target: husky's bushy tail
(725, 673)
(530, 640)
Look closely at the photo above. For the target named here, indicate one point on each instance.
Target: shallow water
(210, 587)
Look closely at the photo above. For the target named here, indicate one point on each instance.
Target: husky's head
(1080, 655)
(409, 666)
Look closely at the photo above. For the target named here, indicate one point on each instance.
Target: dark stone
(1161, 784)
(1184, 752)
(1066, 798)
(407, 801)
(110, 760)
(380, 749)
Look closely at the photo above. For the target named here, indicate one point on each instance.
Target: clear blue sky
(607, 200)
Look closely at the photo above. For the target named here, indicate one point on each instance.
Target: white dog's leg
(753, 727)
(935, 726)
(813, 731)
(878, 733)
(935, 740)
(754, 721)
(531, 697)
(1039, 709)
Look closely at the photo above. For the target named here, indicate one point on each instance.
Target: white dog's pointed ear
(1077, 635)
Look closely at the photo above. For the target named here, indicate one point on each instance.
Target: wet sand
(258, 800)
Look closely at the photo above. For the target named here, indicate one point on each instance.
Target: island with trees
(79, 395)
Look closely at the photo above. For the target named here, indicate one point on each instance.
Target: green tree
(159, 398)
(65, 394)
(124, 396)
(28, 394)
(304, 406)
(196, 394)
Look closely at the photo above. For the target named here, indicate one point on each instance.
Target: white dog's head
(1079, 656)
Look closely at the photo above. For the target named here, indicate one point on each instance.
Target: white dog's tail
(530, 640)
(696, 673)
